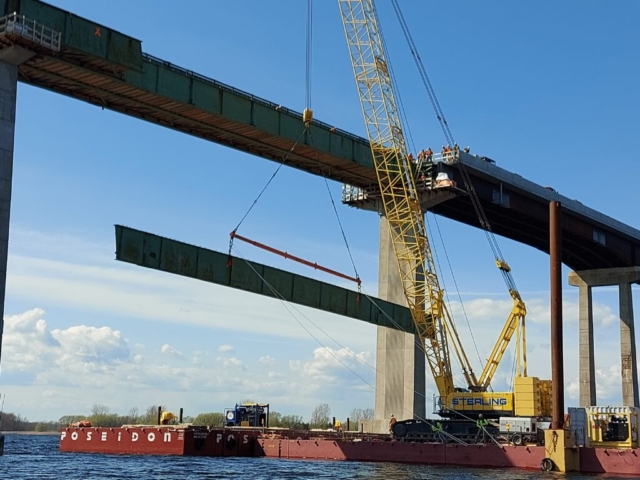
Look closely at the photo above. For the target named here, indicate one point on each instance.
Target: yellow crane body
(434, 325)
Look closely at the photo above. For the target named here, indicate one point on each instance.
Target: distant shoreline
(29, 433)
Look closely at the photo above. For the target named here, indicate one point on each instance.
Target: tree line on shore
(101, 416)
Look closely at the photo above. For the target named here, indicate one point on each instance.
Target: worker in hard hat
(392, 422)
(427, 165)
(429, 155)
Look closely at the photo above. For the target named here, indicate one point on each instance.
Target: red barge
(248, 442)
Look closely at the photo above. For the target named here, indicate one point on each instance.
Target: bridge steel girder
(159, 253)
(111, 71)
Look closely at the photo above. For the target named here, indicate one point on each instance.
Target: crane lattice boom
(399, 194)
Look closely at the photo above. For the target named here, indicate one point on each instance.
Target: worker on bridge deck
(429, 155)
(426, 166)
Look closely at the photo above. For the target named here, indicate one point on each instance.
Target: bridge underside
(108, 69)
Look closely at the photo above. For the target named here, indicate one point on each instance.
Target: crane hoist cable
(484, 222)
(335, 210)
(455, 284)
(447, 133)
(307, 115)
(519, 310)
(399, 195)
(307, 119)
(423, 73)
(309, 53)
(284, 160)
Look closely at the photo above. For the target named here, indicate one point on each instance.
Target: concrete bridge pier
(400, 360)
(10, 58)
(585, 280)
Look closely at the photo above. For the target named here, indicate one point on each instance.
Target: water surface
(37, 456)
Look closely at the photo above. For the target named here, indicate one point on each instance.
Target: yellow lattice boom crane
(400, 199)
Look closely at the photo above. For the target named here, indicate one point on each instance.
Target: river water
(37, 456)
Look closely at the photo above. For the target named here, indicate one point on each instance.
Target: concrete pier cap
(605, 277)
(585, 280)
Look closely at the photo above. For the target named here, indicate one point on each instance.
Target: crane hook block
(502, 265)
(307, 116)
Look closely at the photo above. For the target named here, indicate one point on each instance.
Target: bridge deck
(108, 69)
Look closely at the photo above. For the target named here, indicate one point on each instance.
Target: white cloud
(608, 386)
(331, 367)
(129, 291)
(226, 349)
(169, 350)
(54, 362)
(29, 345)
(267, 360)
(231, 362)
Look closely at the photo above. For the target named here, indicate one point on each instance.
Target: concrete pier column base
(400, 360)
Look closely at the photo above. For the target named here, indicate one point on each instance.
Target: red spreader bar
(294, 258)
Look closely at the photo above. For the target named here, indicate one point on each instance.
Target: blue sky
(548, 90)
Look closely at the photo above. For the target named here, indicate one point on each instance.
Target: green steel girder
(106, 68)
(159, 253)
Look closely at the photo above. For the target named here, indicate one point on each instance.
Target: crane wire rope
(309, 44)
(484, 222)
(285, 303)
(455, 283)
(448, 136)
(423, 73)
(311, 142)
(444, 284)
(335, 210)
(309, 53)
(284, 160)
(473, 196)
(409, 137)
(396, 91)
(406, 123)
(309, 58)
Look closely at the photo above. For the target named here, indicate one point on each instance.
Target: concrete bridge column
(629, 364)
(400, 361)
(623, 278)
(587, 366)
(8, 90)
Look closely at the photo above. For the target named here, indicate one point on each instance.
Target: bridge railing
(351, 193)
(15, 24)
(189, 73)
